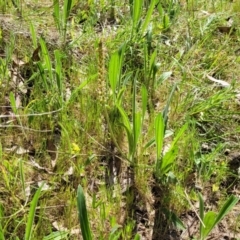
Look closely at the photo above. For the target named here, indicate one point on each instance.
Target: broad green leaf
(149, 143)
(137, 10)
(167, 160)
(160, 9)
(33, 34)
(125, 119)
(66, 11)
(56, 14)
(113, 71)
(172, 217)
(59, 235)
(211, 219)
(208, 221)
(83, 215)
(43, 75)
(228, 205)
(149, 15)
(31, 214)
(226, 208)
(119, 96)
(137, 237)
(179, 134)
(166, 21)
(47, 59)
(152, 62)
(177, 222)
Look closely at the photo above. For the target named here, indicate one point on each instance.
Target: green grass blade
(58, 71)
(159, 134)
(34, 36)
(137, 10)
(1, 228)
(127, 126)
(227, 207)
(148, 17)
(115, 69)
(136, 117)
(31, 214)
(167, 160)
(179, 134)
(47, 59)
(82, 213)
(22, 176)
(201, 209)
(43, 75)
(59, 235)
(136, 129)
(144, 101)
(166, 109)
(172, 217)
(56, 14)
(66, 12)
(121, 53)
(152, 62)
(159, 138)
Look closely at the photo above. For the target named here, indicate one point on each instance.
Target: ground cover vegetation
(119, 119)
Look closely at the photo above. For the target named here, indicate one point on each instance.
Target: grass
(108, 117)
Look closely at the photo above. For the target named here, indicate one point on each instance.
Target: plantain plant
(210, 219)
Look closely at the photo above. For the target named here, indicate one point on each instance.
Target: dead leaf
(220, 82)
(35, 57)
(60, 227)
